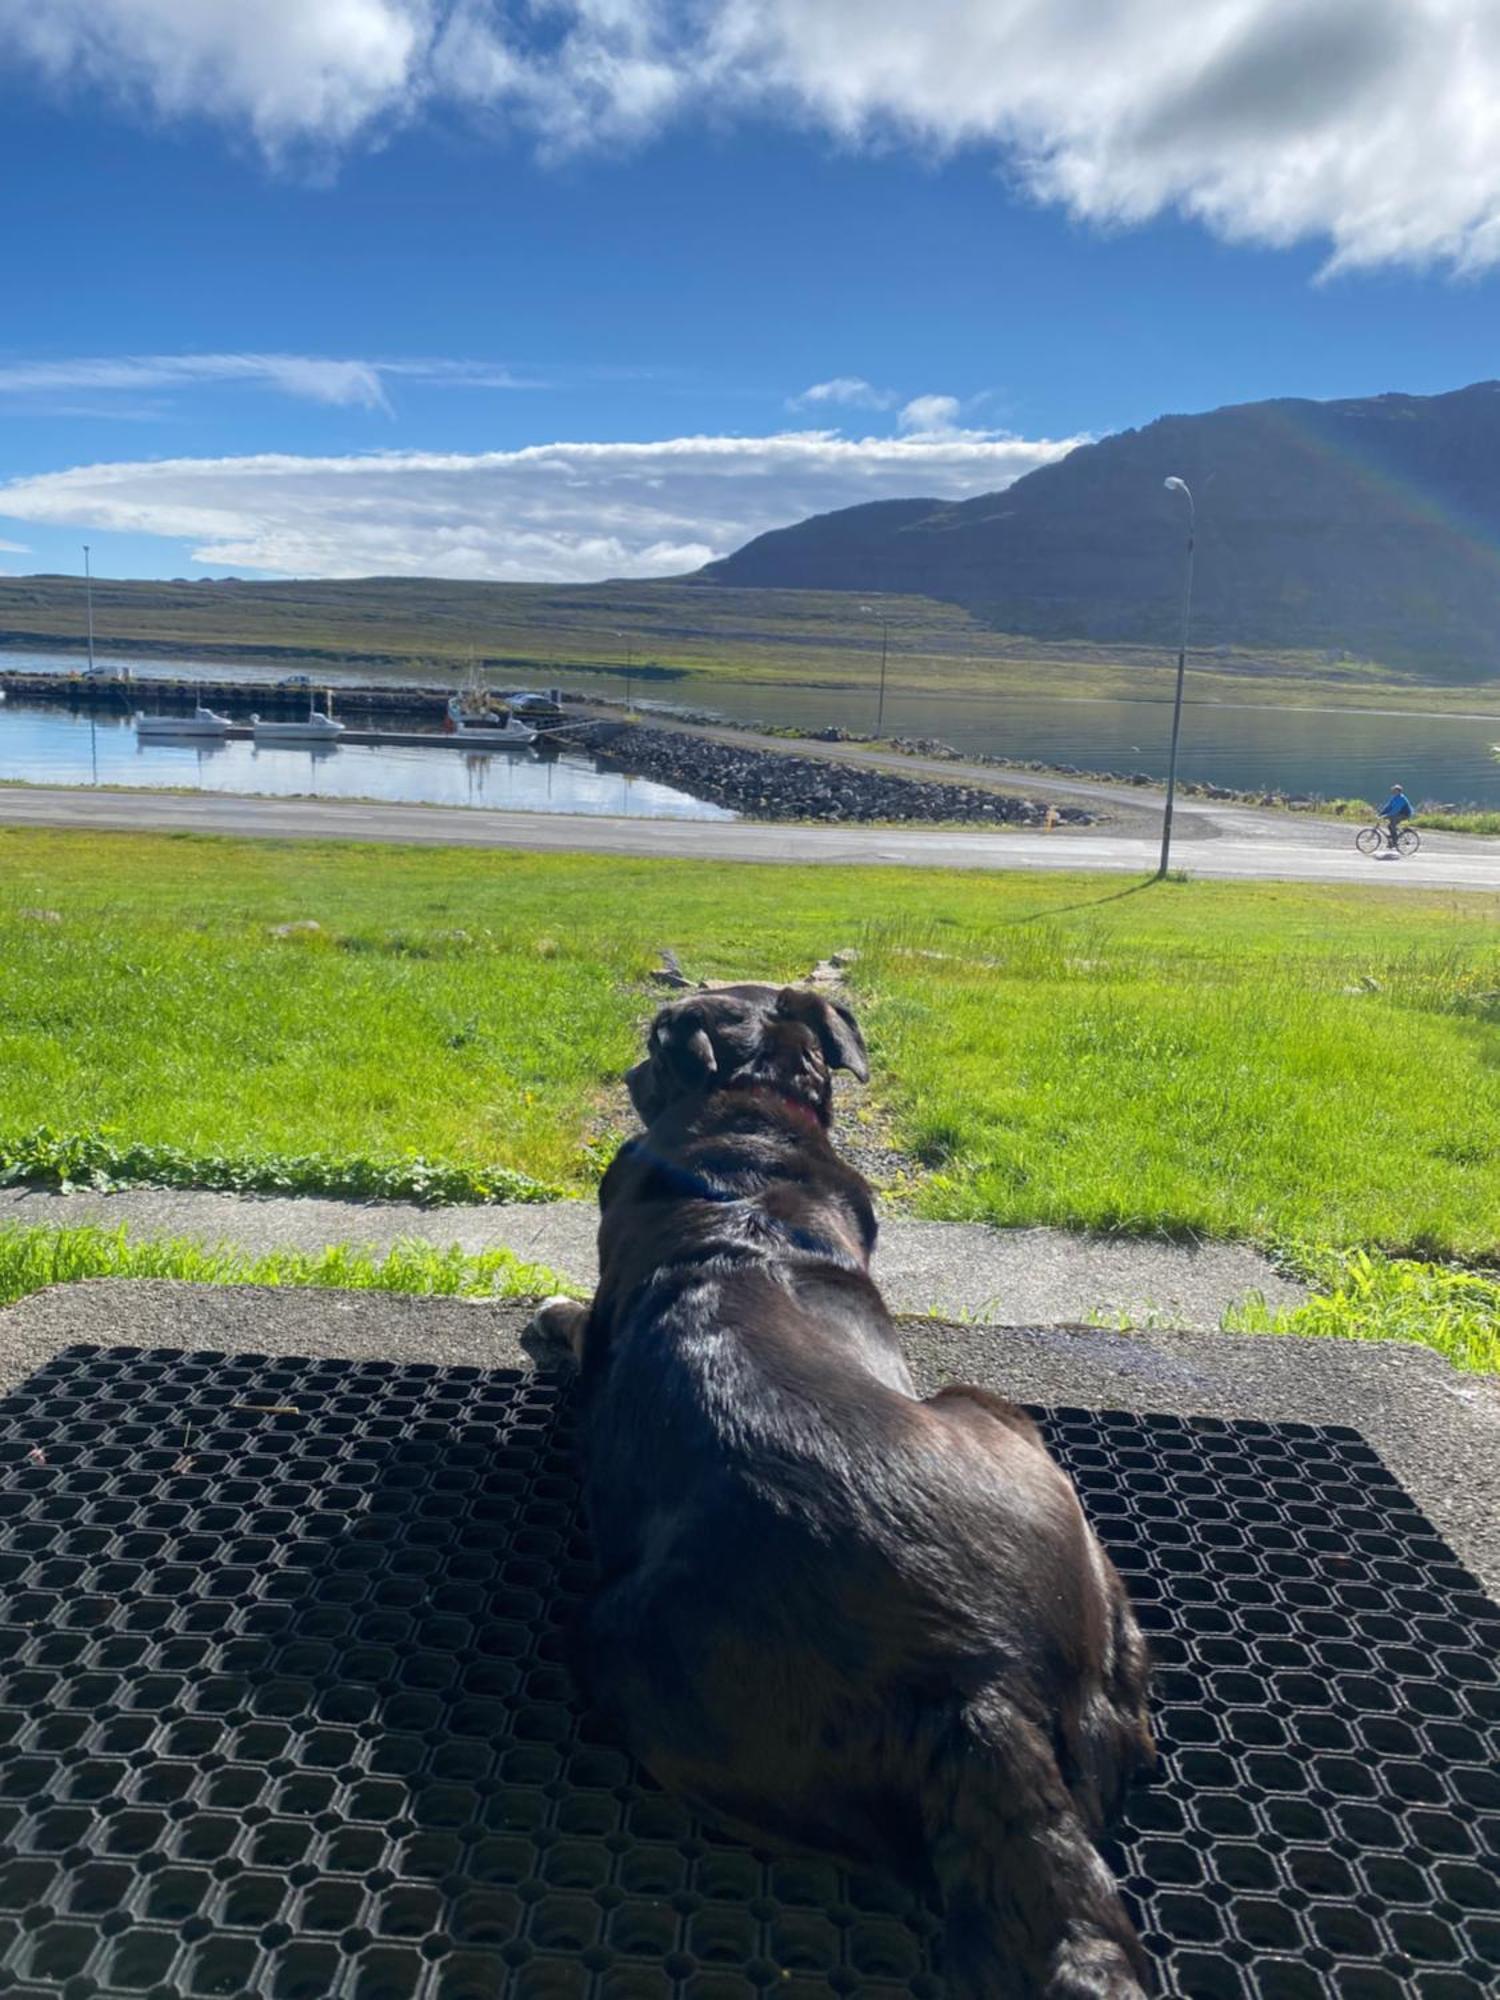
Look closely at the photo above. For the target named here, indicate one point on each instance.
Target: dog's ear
(834, 1025)
(679, 1058)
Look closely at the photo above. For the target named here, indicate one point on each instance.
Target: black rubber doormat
(283, 1714)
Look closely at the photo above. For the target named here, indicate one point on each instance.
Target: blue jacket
(1397, 806)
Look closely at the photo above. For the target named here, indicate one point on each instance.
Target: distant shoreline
(401, 667)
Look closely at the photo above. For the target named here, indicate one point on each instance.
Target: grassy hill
(1369, 526)
(678, 639)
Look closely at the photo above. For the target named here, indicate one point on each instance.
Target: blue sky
(424, 285)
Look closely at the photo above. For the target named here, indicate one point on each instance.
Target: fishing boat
(469, 722)
(315, 729)
(202, 722)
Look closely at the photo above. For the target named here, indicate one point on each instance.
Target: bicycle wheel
(1369, 839)
(1408, 840)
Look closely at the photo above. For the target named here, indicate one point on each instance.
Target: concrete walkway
(964, 1271)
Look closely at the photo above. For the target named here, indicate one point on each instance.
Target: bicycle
(1375, 840)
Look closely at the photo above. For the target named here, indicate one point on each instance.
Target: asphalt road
(1233, 844)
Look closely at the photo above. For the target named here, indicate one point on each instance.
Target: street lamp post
(1175, 485)
(88, 591)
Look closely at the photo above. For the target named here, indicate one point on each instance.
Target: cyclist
(1395, 813)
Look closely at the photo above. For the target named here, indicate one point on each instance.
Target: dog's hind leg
(1031, 1911)
(1108, 1742)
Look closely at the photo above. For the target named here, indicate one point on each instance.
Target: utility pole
(885, 647)
(88, 591)
(1175, 485)
(629, 667)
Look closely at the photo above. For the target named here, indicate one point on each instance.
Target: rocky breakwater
(764, 784)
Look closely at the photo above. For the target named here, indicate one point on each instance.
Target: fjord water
(55, 746)
(1335, 753)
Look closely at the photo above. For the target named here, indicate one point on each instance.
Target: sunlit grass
(32, 1259)
(1268, 1060)
(1462, 822)
(1087, 1077)
(1363, 1297)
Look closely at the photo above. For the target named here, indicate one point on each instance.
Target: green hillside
(680, 639)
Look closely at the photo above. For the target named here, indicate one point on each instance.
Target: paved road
(1242, 844)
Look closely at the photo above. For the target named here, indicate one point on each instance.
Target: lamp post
(88, 591)
(1175, 485)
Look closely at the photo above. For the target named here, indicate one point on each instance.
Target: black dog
(832, 1612)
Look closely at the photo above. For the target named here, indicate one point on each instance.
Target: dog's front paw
(555, 1332)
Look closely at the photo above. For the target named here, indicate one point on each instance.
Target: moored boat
(202, 722)
(467, 722)
(315, 729)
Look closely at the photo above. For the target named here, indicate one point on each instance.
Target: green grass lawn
(1279, 1062)
(31, 1259)
(1462, 822)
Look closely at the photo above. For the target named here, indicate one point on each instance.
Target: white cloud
(852, 392)
(14, 549)
(292, 72)
(1371, 125)
(930, 416)
(313, 378)
(558, 512)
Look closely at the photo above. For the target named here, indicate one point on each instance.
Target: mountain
(1370, 526)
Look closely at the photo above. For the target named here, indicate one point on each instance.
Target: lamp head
(1175, 485)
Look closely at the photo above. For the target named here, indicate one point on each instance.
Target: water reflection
(56, 746)
(1334, 753)
(1345, 753)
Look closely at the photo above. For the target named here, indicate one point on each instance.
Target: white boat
(316, 729)
(202, 722)
(468, 723)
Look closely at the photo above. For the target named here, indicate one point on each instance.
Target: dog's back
(831, 1611)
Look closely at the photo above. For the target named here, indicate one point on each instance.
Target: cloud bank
(570, 513)
(1370, 125)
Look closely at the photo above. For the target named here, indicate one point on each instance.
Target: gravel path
(995, 1277)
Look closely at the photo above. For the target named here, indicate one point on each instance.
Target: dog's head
(783, 1038)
